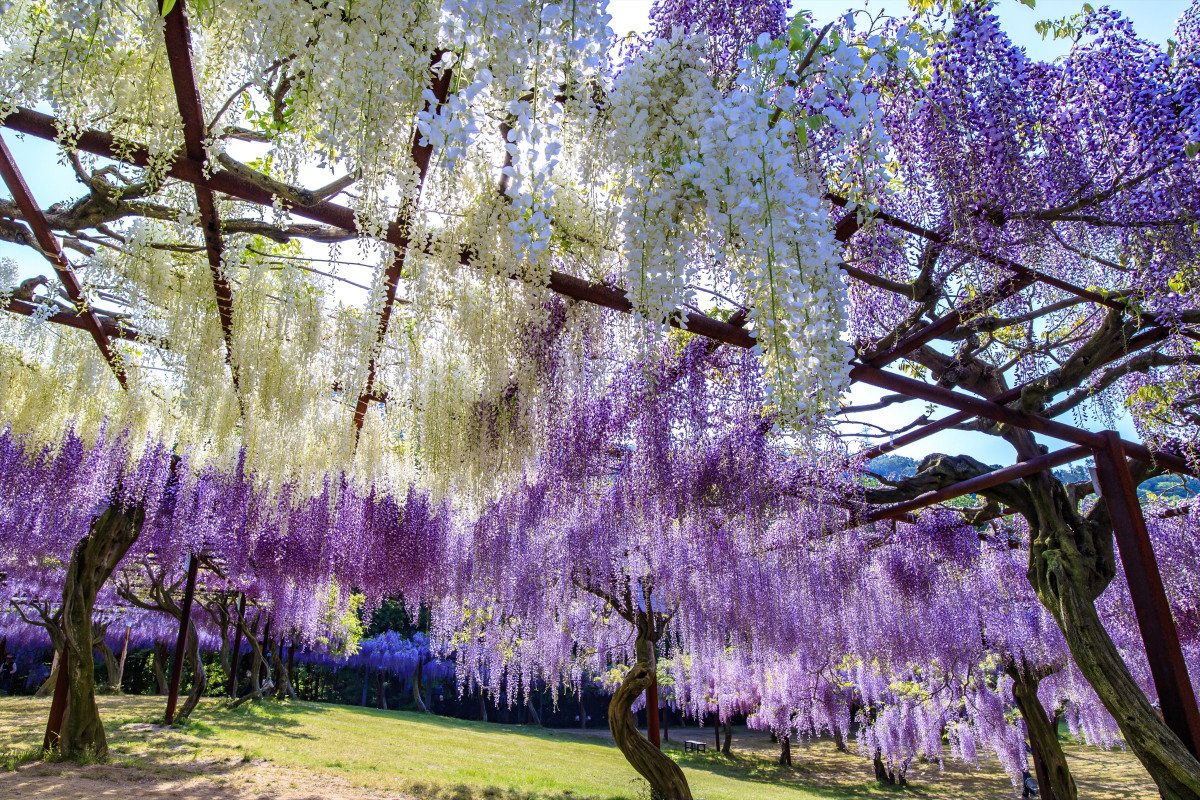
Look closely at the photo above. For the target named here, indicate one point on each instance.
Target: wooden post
(1161, 638)
(237, 647)
(181, 642)
(58, 706)
(652, 732)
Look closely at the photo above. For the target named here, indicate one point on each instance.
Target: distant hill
(894, 467)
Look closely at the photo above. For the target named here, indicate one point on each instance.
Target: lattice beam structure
(112, 331)
(187, 94)
(52, 250)
(1135, 343)
(44, 126)
(1157, 627)
(1022, 469)
(421, 155)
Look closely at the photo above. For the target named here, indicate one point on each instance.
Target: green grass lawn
(336, 751)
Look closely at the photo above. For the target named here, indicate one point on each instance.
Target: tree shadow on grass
(461, 791)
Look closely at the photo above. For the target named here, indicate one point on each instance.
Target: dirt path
(214, 781)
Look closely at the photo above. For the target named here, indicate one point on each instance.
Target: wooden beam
(187, 94)
(1150, 605)
(44, 126)
(80, 323)
(52, 251)
(421, 155)
(1021, 469)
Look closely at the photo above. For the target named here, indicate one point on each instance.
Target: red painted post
(237, 646)
(181, 642)
(652, 713)
(1161, 638)
(58, 706)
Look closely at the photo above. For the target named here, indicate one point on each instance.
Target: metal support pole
(58, 706)
(181, 642)
(237, 646)
(652, 712)
(1167, 667)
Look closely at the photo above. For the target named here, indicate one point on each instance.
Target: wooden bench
(700, 747)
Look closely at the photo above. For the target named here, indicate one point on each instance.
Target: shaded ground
(309, 751)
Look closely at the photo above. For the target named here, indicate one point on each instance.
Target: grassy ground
(311, 751)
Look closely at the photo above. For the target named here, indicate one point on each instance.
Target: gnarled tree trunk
(199, 676)
(283, 677)
(47, 686)
(91, 564)
(416, 687)
(661, 772)
(533, 717)
(1071, 563)
(728, 738)
(159, 665)
(1049, 760)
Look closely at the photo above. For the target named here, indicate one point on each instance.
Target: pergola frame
(1157, 626)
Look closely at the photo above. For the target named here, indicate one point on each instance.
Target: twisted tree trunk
(1071, 562)
(48, 685)
(533, 717)
(111, 669)
(256, 661)
(1175, 770)
(283, 673)
(785, 753)
(416, 688)
(1050, 762)
(91, 564)
(159, 665)
(661, 772)
(728, 738)
(121, 661)
(199, 676)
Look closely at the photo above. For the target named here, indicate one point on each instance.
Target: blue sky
(51, 180)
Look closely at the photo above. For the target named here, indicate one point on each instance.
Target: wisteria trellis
(1006, 176)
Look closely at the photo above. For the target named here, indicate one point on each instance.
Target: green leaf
(1029, 3)
(167, 6)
